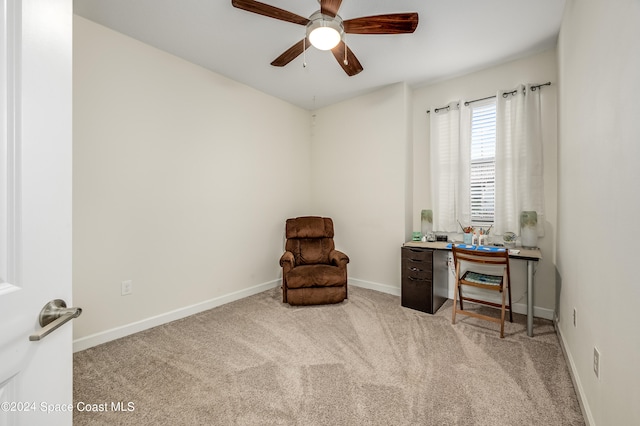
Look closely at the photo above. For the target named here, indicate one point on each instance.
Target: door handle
(52, 316)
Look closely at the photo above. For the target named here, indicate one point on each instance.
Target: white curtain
(448, 158)
(519, 179)
(463, 208)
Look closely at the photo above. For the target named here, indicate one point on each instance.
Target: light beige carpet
(366, 361)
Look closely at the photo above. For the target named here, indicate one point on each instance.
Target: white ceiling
(453, 37)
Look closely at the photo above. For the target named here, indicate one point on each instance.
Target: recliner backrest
(310, 239)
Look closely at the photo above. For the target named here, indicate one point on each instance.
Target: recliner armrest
(287, 261)
(338, 258)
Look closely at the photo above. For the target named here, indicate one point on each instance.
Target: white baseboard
(521, 308)
(383, 288)
(575, 378)
(138, 326)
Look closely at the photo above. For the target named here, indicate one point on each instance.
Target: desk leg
(529, 298)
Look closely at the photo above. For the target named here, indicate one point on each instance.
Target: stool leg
(502, 315)
(510, 303)
(455, 302)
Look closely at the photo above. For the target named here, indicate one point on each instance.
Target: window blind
(483, 162)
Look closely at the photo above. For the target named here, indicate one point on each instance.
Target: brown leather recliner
(313, 271)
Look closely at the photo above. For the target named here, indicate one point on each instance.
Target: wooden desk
(530, 255)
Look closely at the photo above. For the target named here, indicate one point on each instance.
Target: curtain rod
(533, 89)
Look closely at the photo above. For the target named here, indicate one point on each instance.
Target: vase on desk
(426, 221)
(529, 229)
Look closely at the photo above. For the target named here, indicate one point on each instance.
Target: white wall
(599, 203)
(182, 181)
(360, 157)
(538, 68)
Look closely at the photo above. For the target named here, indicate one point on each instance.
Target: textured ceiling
(453, 37)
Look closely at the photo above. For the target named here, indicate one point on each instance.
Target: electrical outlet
(575, 317)
(127, 287)
(596, 362)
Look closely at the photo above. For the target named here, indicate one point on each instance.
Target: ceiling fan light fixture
(324, 32)
(324, 38)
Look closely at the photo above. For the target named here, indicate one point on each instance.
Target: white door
(35, 208)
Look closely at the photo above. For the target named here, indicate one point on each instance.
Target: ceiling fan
(326, 29)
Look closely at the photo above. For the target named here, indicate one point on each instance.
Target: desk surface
(526, 254)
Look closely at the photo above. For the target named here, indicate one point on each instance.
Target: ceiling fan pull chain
(346, 61)
(304, 52)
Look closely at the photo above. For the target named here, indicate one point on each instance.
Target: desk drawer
(416, 294)
(417, 255)
(419, 270)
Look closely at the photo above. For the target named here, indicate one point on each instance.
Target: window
(483, 162)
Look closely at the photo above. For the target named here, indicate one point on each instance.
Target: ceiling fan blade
(270, 11)
(330, 7)
(291, 53)
(394, 23)
(352, 67)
